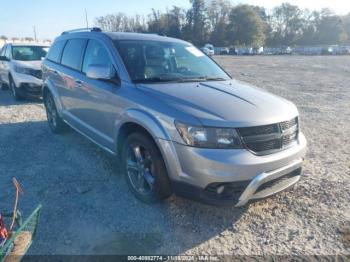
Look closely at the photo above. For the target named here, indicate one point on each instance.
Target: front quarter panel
(161, 130)
(144, 119)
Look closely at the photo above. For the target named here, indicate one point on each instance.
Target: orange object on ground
(3, 231)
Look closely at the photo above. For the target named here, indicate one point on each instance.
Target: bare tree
(29, 39)
(120, 22)
(4, 38)
(14, 39)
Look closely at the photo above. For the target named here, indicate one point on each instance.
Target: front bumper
(200, 172)
(30, 90)
(28, 85)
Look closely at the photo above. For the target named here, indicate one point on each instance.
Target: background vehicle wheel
(56, 124)
(144, 168)
(3, 86)
(14, 90)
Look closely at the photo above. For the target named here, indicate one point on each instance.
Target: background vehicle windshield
(159, 61)
(29, 53)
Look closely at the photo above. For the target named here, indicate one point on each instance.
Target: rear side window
(72, 53)
(55, 51)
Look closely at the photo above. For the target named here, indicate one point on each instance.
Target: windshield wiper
(155, 79)
(201, 78)
(178, 80)
(215, 79)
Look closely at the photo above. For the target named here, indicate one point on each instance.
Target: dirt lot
(87, 207)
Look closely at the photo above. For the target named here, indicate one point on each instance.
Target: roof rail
(93, 29)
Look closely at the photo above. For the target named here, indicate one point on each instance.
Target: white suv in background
(20, 69)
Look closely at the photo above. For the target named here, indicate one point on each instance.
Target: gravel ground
(87, 208)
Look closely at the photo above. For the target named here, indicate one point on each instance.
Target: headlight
(22, 70)
(209, 137)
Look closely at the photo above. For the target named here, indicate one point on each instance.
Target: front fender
(144, 119)
(160, 135)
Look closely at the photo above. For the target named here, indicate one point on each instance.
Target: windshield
(158, 61)
(29, 53)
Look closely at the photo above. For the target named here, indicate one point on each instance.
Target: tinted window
(96, 54)
(55, 51)
(72, 53)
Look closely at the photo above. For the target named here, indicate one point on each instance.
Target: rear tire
(56, 123)
(144, 168)
(14, 90)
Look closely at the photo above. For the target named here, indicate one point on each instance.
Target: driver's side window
(96, 54)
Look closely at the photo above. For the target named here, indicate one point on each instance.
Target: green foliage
(286, 24)
(222, 24)
(169, 23)
(246, 27)
(197, 23)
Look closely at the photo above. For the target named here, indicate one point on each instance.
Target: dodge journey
(174, 119)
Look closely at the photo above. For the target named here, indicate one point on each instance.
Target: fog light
(220, 189)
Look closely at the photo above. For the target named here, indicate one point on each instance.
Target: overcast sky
(52, 17)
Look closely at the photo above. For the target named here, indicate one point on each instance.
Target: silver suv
(175, 119)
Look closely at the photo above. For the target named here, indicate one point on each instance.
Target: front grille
(258, 130)
(288, 124)
(36, 73)
(270, 138)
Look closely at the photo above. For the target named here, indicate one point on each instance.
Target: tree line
(18, 39)
(223, 24)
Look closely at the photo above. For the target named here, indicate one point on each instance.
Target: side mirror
(101, 72)
(4, 58)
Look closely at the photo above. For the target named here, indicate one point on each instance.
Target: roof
(116, 35)
(139, 36)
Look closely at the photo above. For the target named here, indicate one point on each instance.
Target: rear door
(70, 73)
(52, 68)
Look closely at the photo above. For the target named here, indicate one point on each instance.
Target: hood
(223, 103)
(28, 64)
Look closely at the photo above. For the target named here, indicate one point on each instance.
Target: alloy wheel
(140, 169)
(51, 111)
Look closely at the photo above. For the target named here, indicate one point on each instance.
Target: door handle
(78, 83)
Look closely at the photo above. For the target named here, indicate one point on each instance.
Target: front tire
(14, 90)
(144, 168)
(56, 123)
(3, 86)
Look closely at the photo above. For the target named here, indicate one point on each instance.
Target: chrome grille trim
(272, 138)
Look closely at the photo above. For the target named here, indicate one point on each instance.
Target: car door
(2, 53)
(52, 68)
(70, 74)
(98, 104)
(5, 65)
